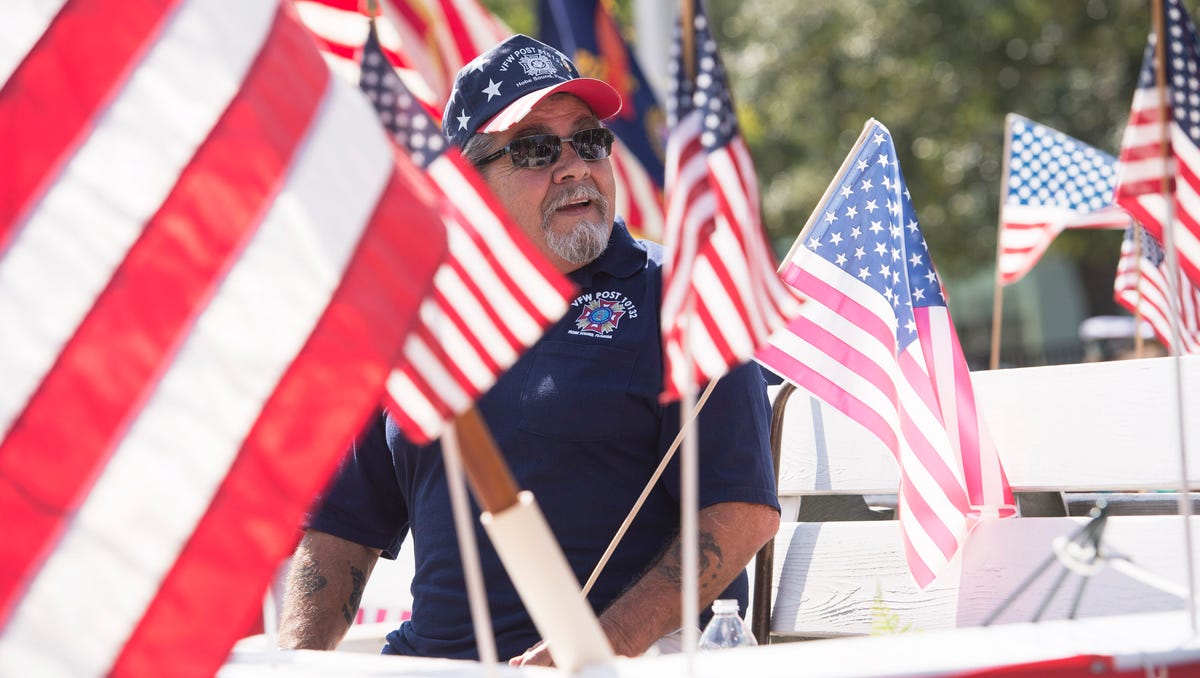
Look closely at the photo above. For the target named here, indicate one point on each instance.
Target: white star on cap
(493, 89)
(463, 120)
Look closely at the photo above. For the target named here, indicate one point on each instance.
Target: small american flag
(209, 259)
(875, 341)
(493, 296)
(1142, 167)
(427, 40)
(1054, 182)
(1141, 285)
(722, 297)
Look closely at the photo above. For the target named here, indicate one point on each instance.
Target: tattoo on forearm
(711, 559)
(350, 608)
(309, 579)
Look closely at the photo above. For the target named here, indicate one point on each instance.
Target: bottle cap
(725, 606)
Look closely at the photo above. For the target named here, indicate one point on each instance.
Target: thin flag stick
(998, 294)
(689, 550)
(271, 616)
(1185, 502)
(1138, 343)
(688, 24)
(637, 505)
(689, 505)
(464, 525)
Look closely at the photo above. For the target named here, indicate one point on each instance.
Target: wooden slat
(1160, 644)
(843, 579)
(1100, 426)
(1097, 426)
(1130, 504)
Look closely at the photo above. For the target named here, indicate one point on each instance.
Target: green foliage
(885, 622)
(521, 15)
(941, 74)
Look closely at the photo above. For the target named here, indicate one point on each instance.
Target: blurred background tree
(941, 74)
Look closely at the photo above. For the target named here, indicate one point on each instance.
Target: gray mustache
(577, 194)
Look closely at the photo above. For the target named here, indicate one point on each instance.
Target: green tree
(941, 74)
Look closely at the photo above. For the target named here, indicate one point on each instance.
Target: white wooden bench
(1082, 430)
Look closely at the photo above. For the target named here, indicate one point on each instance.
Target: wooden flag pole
(998, 293)
(1185, 502)
(464, 526)
(687, 23)
(531, 556)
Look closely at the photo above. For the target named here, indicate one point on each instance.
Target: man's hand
(539, 654)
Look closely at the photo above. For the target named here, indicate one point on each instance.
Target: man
(577, 418)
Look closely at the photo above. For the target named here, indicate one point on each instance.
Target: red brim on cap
(604, 101)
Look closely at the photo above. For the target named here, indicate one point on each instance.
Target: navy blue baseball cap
(499, 88)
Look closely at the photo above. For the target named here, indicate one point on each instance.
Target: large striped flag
(493, 296)
(587, 32)
(1142, 167)
(875, 341)
(209, 259)
(1053, 182)
(1141, 287)
(721, 295)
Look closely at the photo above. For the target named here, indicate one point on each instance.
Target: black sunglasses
(543, 150)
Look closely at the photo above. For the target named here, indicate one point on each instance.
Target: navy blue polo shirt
(579, 423)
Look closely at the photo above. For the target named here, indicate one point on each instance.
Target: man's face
(566, 208)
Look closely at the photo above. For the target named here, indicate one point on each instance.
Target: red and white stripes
(493, 298)
(210, 260)
(1027, 231)
(722, 297)
(1141, 287)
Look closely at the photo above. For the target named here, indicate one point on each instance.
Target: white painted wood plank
(1153, 641)
(1087, 427)
(839, 579)
(824, 452)
(1093, 426)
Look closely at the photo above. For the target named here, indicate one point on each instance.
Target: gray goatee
(587, 240)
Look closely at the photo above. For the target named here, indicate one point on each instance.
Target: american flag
(1053, 182)
(493, 296)
(722, 297)
(427, 40)
(1141, 286)
(209, 259)
(586, 31)
(875, 341)
(1139, 179)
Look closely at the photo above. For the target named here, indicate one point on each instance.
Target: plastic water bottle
(726, 628)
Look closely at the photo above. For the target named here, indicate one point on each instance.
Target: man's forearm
(324, 587)
(729, 536)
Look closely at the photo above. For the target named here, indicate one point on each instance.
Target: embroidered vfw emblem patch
(600, 316)
(537, 64)
(601, 313)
